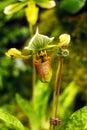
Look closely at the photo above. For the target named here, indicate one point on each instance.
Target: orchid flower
(31, 8)
(38, 45)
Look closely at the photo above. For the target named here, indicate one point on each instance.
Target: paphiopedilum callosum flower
(31, 9)
(38, 45)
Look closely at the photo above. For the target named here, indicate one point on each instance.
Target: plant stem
(54, 95)
(57, 91)
(31, 30)
(33, 80)
(50, 127)
(33, 72)
(59, 84)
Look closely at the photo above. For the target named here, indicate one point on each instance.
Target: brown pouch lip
(43, 69)
(40, 61)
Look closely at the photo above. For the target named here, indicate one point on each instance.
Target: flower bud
(64, 40)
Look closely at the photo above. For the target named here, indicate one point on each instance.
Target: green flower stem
(31, 30)
(33, 80)
(59, 84)
(50, 128)
(54, 94)
(33, 72)
(57, 91)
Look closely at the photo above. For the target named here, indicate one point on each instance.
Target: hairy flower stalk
(64, 40)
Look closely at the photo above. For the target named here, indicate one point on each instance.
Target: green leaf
(39, 42)
(14, 8)
(67, 99)
(24, 105)
(10, 120)
(77, 121)
(35, 112)
(72, 6)
(28, 109)
(41, 96)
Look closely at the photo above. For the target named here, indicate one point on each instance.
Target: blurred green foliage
(13, 34)
(16, 75)
(72, 6)
(78, 120)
